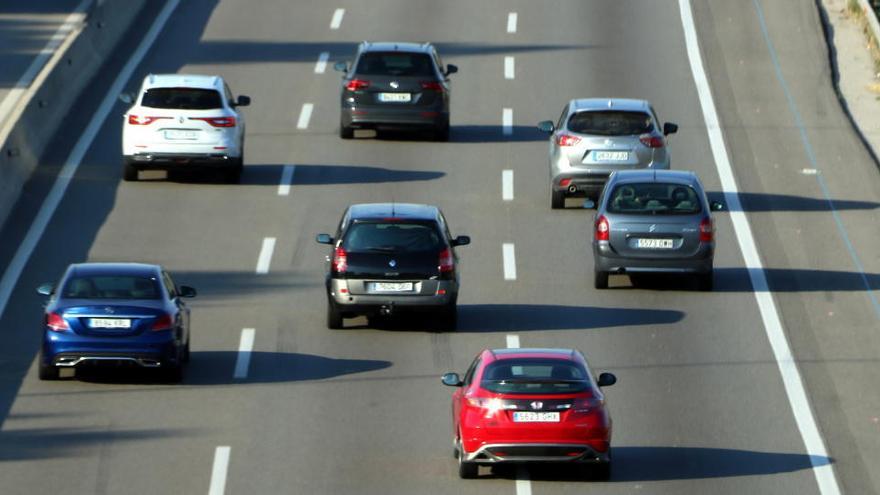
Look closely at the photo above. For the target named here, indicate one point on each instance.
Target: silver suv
(596, 136)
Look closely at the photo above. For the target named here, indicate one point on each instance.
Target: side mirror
(46, 289)
(607, 380)
(669, 128)
(126, 98)
(187, 291)
(546, 126)
(242, 101)
(462, 240)
(451, 69)
(716, 205)
(451, 380)
(341, 66)
(324, 239)
(589, 204)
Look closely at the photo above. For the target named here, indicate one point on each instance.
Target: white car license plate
(535, 417)
(612, 156)
(392, 286)
(654, 243)
(180, 134)
(395, 97)
(109, 323)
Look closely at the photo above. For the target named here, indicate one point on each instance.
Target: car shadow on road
(738, 280)
(764, 202)
(321, 175)
(644, 464)
(45, 443)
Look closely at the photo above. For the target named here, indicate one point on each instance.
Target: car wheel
(129, 171)
(346, 132)
(334, 316)
(48, 372)
(600, 280)
(557, 199)
(466, 470)
(706, 281)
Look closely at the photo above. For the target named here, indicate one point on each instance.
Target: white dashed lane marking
(513, 341)
(507, 121)
(511, 22)
(304, 116)
(336, 21)
(507, 185)
(508, 68)
(509, 261)
(218, 472)
(321, 65)
(286, 180)
(245, 348)
(265, 255)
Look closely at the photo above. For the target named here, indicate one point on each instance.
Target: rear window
(182, 98)
(653, 199)
(392, 237)
(535, 376)
(395, 64)
(111, 287)
(611, 123)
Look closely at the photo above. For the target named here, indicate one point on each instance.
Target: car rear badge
(394, 84)
(537, 404)
(392, 263)
(652, 228)
(108, 309)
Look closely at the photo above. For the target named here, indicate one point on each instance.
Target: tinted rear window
(182, 98)
(653, 199)
(395, 64)
(111, 287)
(611, 123)
(535, 376)
(392, 237)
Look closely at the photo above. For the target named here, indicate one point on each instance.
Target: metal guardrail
(872, 7)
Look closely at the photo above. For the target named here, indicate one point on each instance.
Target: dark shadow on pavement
(322, 175)
(764, 202)
(738, 280)
(44, 443)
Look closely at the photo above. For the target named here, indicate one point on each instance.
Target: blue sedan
(115, 314)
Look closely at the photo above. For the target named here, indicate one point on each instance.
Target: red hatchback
(530, 405)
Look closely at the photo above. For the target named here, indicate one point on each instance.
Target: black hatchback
(391, 257)
(395, 86)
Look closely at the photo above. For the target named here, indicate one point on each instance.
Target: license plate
(395, 97)
(611, 156)
(392, 286)
(654, 243)
(109, 323)
(179, 134)
(535, 417)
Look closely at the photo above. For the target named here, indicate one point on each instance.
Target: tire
(557, 199)
(345, 132)
(706, 281)
(129, 171)
(466, 470)
(48, 373)
(600, 280)
(334, 316)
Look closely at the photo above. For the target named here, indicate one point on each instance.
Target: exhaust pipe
(386, 310)
(572, 189)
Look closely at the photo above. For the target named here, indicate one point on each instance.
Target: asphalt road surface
(700, 406)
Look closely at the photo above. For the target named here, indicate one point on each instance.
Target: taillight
(586, 405)
(446, 262)
(490, 406)
(432, 85)
(217, 121)
(340, 260)
(356, 84)
(56, 322)
(602, 228)
(652, 140)
(567, 140)
(143, 119)
(707, 230)
(163, 322)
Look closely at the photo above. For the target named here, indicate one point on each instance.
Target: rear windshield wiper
(533, 380)
(382, 249)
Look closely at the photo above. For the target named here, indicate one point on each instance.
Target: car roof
(685, 177)
(393, 210)
(395, 46)
(135, 269)
(534, 352)
(629, 104)
(183, 81)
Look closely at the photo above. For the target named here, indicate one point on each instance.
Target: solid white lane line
(321, 65)
(218, 471)
(511, 22)
(508, 68)
(245, 347)
(304, 115)
(507, 185)
(265, 255)
(791, 377)
(513, 341)
(286, 180)
(336, 21)
(523, 485)
(509, 261)
(53, 199)
(507, 121)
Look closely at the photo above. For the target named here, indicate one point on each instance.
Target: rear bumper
(371, 117)
(584, 184)
(608, 260)
(537, 452)
(166, 161)
(433, 294)
(154, 353)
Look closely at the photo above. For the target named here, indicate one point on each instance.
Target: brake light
(490, 406)
(586, 405)
(446, 262)
(163, 322)
(707, 230)
(56, 322)
(432, 85)
(652, 140)
(356, 84)
(602, 228)
(143, 119)
(217, 121)
(340, 260)
(564, 182)
(567, 140)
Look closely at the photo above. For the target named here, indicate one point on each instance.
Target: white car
(182, 121)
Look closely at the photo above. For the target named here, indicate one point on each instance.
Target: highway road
(701, 405)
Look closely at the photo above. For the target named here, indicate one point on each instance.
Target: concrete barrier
(37, 116)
